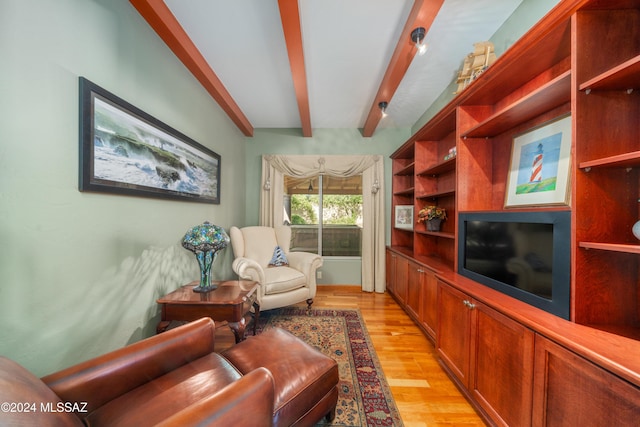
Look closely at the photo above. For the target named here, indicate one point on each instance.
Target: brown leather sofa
(176, 379)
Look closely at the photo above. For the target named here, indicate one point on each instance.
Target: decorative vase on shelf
(432, 216)
(434, 224)
(636, 230)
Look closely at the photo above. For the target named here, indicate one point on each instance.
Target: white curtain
(274, 167)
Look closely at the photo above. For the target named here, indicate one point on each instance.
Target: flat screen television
(522, 254)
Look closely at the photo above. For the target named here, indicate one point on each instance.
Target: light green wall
(328, 142)
(80, 272)
(521, 20)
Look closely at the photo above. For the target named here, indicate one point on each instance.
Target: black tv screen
(523, 254)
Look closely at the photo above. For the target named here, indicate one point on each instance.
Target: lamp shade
(205, 237)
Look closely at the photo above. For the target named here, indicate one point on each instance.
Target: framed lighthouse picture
(540, 165)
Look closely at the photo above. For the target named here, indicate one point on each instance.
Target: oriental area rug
(364, 397)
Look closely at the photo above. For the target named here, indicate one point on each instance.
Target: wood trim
(165, 24)
(290, 17)
(422, 14)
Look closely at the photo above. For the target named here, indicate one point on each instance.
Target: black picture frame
(125, 151)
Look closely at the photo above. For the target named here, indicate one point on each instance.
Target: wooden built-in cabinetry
(414, 286)
(606, 178)
(571, 390)
(582, 59)
(490, 355)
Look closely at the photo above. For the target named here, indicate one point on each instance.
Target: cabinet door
(429, 307)
(390, 261)
(454, 331)
(569, 390)
(501, 374)
(402, 267)
(414, 289)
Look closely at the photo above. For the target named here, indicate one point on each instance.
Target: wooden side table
(231, 302)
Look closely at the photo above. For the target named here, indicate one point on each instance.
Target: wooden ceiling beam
(290, 17)
(165, 24)
(422, 14)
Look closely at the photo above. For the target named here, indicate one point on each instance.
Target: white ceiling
(347, 46)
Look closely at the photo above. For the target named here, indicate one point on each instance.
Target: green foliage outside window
(341, 209)
(302, 209)
(337, 209)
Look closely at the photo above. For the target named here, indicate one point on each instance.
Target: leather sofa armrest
(248, 401)
(248, 269)
(102, 379)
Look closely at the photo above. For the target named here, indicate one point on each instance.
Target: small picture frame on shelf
(540, 166)
(404, 217)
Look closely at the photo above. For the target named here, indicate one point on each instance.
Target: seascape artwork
(129, 151)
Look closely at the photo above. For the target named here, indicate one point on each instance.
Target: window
(334, 230)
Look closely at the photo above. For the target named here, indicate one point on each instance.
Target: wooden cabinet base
(570, 390)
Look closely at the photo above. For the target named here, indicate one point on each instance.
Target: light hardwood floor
(424, 394)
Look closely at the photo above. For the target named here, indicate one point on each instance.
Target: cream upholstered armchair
(281, 285)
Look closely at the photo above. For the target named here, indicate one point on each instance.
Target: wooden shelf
(439, 168)
(407, 170)
(622, 77)
(404, 250)
(405, 192)
(622, 330)
(620, 161)
(440, 126)
(437, 234)
(541, 100)
(549, 49)
(436, 194)
(405, 151)
(407, 230)
(614, 247)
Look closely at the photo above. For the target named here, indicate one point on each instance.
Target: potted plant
(432, 216)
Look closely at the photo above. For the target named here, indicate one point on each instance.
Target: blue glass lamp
(205, 240)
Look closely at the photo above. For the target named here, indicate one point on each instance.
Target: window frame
(321, 225)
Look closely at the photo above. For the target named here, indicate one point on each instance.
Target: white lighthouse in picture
(536, 168)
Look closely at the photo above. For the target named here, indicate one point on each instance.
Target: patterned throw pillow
(279, 259)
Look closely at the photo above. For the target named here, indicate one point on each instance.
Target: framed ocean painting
(124, 150)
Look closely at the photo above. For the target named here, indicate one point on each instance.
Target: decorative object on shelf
(124, 150)
(404, 217)
(539, 170)
(475, 63)
(434, 224)
(432, 216)
(205, 240)
(453, 151)
(636, 230)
